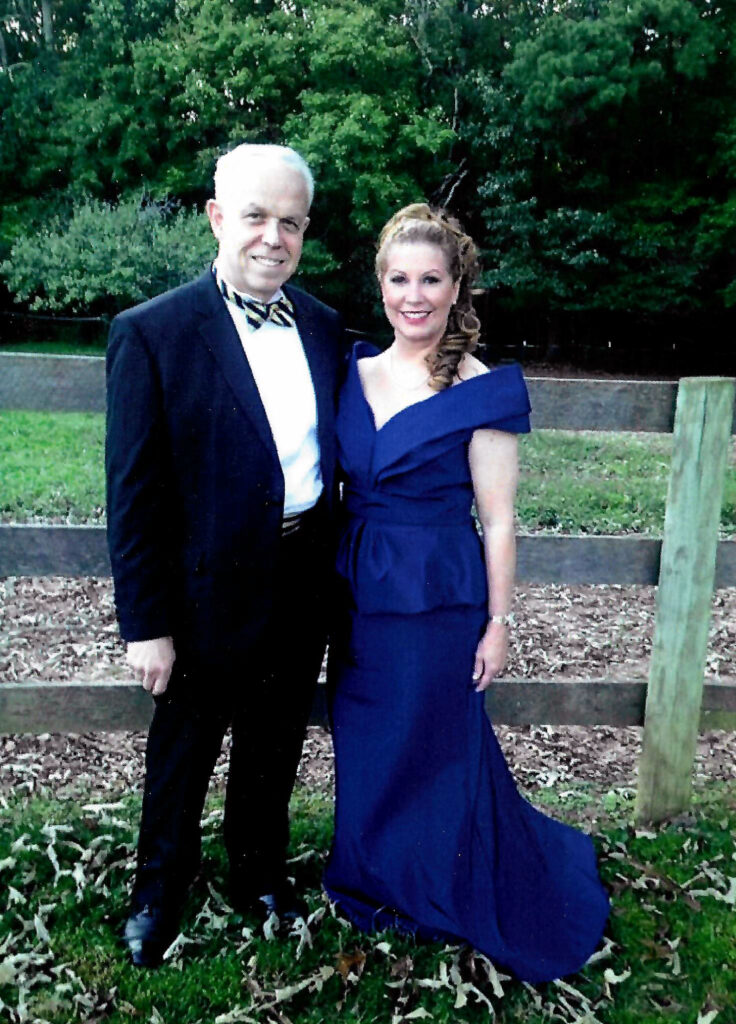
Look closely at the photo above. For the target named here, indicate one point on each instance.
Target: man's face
(259, 223)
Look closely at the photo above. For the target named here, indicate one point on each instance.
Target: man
(220, 470)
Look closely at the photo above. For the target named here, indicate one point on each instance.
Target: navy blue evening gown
(431, 833)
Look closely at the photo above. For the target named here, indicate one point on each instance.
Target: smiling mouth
(268, 261)
(416, 314)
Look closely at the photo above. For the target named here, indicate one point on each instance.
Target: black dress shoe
(283, 902)
(148, 934)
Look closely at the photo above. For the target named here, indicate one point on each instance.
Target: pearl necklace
(397, 377)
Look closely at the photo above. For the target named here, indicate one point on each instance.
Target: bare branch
(455, 185)
(422, 52)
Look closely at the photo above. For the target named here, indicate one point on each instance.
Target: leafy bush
(104, 258)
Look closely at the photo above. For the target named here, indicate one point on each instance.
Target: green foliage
(339, 80)
(359, 127)
(589, 145)
(601, 190)
(108, 257)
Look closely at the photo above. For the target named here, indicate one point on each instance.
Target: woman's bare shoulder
(370, 366)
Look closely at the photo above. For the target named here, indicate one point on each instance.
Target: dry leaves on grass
(74, 870)
(28, 961)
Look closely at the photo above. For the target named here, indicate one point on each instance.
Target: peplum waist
(427, 510)
(405, 555)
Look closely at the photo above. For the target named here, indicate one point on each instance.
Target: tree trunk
(3, 51)
(48, 23)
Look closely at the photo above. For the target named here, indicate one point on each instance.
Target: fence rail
(77, 383)
(82, 551)
(76, 707)
(687, 564)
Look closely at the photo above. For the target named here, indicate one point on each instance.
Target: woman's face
(418, 291)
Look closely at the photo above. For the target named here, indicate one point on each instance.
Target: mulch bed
(58, 629)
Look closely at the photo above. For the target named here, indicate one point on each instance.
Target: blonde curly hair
(419, 222)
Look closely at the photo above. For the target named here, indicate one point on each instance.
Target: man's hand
(152, 661)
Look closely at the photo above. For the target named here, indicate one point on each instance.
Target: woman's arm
(494, 468)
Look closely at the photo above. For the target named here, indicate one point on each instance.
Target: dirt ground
(58, 629)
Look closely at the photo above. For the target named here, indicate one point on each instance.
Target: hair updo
(419, 222)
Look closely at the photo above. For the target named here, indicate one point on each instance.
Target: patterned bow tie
(280, 312)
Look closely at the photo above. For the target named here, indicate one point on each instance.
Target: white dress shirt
(279, 365)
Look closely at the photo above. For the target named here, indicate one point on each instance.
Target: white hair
(234, 165)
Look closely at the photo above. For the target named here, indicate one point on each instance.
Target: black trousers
(266, 700)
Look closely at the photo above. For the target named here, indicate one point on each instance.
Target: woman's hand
(491, 655)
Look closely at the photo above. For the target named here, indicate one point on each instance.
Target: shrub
(105, 257)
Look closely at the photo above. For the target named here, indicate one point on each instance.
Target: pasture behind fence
(685, 566)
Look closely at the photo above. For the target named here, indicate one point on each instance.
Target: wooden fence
(686, 565)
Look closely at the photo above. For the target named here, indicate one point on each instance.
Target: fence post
(700, 449)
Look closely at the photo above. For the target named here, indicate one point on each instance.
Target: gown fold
(432, 836)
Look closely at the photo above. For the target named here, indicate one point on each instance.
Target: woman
(431, 835)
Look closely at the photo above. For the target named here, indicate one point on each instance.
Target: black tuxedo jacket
(195, 490)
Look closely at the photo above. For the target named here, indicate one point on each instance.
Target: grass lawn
(58, 348)
(51, 466)
(572, 482)
(670, 953)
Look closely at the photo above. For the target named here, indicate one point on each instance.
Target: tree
(589, 145)
(340, 80)
(372, 146)
(106, 258)
(30, 27)
(605, 186)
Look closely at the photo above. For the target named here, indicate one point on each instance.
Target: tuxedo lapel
(217, 331)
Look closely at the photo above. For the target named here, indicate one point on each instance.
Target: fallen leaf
(351, 963)
(314, 982)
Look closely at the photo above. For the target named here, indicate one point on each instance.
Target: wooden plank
(542, 558)
(684, 594)
(629, 559)
(554, 558)
(73, 707)
(53, 551)
(67, 383)
(585, 404)
(52, 383)
(571, 702)
(726, 564)
(37, 707)
(594, 702)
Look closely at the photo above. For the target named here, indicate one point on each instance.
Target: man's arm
(136, 493)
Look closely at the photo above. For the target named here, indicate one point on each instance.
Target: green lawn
(65, 868)
(51, 466)
(58, 348)
(594, 482)
(572, 482)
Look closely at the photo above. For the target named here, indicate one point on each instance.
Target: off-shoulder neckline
(367, 350)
